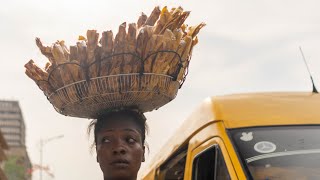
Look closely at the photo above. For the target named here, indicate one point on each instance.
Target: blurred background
(247, 46)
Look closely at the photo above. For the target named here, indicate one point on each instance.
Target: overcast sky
(247, 46)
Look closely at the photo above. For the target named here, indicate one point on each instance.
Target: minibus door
(210, 161)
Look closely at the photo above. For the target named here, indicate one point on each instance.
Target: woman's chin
(119, 172)
(119, 175)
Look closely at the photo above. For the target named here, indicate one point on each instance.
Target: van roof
(246, 110)
(265, 109)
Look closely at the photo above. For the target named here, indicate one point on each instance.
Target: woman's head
(119, 139)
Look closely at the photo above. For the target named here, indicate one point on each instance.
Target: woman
(119, 138)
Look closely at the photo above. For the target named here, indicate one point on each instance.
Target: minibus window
(173, 169)
(210, 165)
(282, 152)
(221, 168)
(203, 165)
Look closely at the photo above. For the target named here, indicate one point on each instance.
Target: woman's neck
(131, 178)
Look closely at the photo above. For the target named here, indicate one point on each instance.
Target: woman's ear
(143, 158)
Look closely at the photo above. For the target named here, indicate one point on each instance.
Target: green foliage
(14, 169)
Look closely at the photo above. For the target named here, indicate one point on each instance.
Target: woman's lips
(120, 163)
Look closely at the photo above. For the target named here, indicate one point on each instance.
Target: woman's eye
(105, 140)
(131, 140)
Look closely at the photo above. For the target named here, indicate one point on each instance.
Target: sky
(247, 46)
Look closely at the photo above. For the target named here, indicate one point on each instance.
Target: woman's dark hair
(97, 124)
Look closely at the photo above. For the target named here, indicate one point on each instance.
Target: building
(12, 124)
(13, 129)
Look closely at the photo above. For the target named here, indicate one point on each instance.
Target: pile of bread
(160, 44)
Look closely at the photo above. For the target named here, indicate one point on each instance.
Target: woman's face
(120, 150)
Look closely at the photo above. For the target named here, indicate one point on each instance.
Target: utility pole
(42, 143)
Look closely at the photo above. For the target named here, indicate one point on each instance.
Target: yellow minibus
(260, 136)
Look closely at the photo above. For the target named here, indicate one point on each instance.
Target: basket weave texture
(87, 99)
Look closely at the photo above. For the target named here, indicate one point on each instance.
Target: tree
(14, 168)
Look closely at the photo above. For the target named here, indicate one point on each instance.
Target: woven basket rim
(103, 92)
(107, 76)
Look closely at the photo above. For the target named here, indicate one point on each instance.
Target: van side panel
(150, 175)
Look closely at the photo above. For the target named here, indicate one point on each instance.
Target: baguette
(82, 59)
(154, 16)
(164, 60)
(185, 56)
(164, 18)
(130, 47)
(175, 61)
(61, 58)
(142, 20)
(93, 53)
(119, 47)
(65, 50)
(54, 76)
(73, 53)
(154, 45)
(45, 50)
(194, 30)
(144, 36)
(39, 76)
(107, 50)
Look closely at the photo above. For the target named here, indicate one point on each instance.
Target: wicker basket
(90, 96)
(87, 99)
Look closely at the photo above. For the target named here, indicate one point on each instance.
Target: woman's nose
(119, 149)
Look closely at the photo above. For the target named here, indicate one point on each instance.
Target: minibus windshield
(286, 152)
